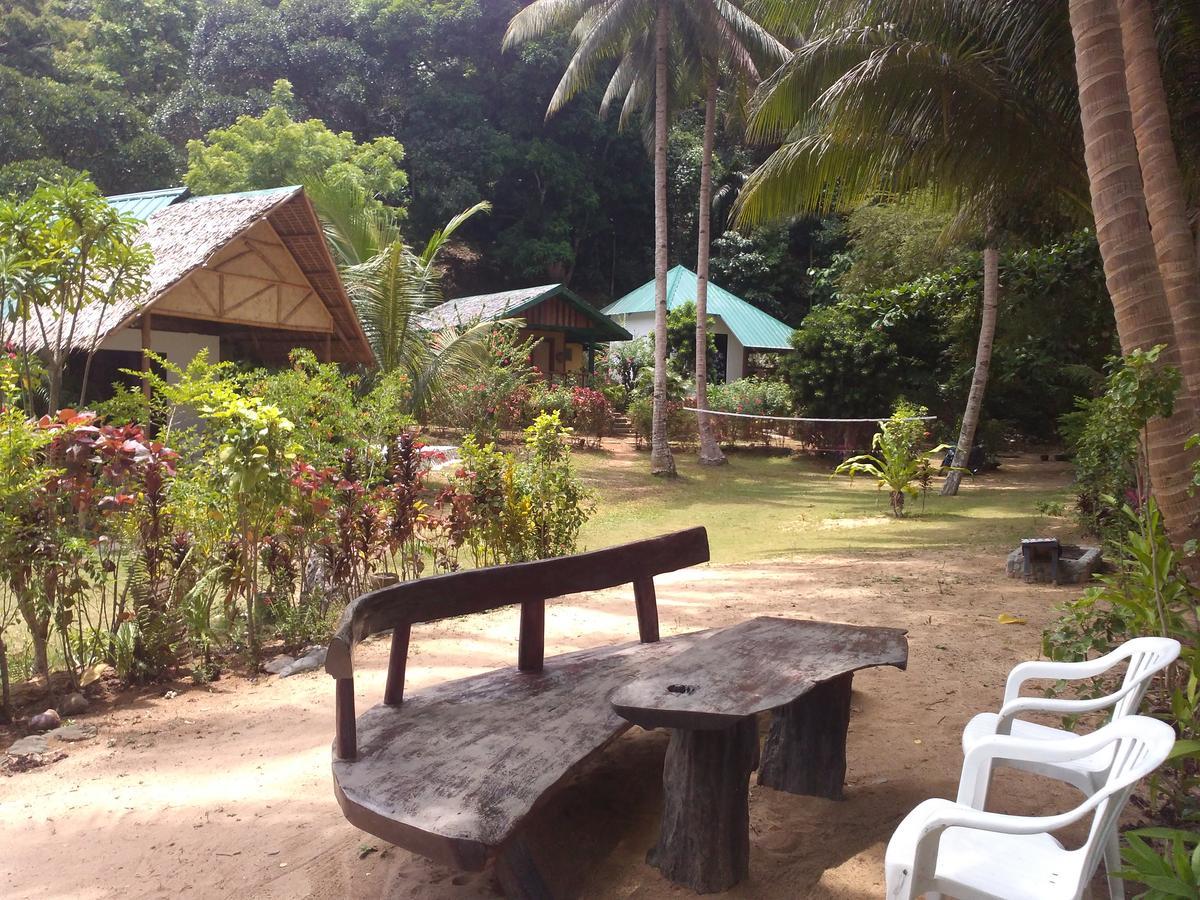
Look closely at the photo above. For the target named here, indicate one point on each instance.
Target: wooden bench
(452, 771)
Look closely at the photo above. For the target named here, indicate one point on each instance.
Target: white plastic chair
(1147, 657)
(955, 848)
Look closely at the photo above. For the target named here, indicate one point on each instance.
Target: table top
(759, 665)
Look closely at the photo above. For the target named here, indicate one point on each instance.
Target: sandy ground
(225, 790)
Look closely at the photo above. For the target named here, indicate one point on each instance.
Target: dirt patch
(225, 790)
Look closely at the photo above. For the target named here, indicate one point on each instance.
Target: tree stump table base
(704, 840)
(805, 750)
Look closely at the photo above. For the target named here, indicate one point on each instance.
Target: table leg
(805, 750)
(704, 839)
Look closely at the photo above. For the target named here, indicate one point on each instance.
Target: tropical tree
(1132, 272)
(392, 287)
(1166, 196)
(67, 256)
(888, 96)
(709, 32)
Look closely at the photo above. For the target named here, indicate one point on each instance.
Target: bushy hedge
(272, 502)
(749, 396)
(861, 354)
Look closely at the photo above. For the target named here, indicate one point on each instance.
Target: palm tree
(392, 287)
(710, 42)
(1166, 198)
(1132, 272)
(886, 96)
(612, 29)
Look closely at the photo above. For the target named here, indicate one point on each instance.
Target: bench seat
(453, 770)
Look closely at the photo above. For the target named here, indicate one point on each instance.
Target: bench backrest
(398, 607)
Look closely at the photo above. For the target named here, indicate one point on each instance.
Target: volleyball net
(814, 435)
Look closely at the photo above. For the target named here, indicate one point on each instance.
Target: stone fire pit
(1075, 563)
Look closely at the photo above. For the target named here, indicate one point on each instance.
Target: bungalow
(567, 327)
(739, 327)
(247, 276)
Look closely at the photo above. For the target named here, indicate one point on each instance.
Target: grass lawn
(760, 506)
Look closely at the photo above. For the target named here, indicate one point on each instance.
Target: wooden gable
(555, 312)
(253, 280)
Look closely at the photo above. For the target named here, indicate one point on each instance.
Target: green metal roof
(144, 204)
(749, 324)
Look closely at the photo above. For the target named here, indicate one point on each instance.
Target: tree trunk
(1126, 246)
(710, 451)
(54, 373)
(1166, 200)
(5, 707)
(983, 362)
(39, 634)
(661, 460)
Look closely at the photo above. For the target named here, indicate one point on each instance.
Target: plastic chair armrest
(1035, 670)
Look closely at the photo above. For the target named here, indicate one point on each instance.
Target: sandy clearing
(225, 790)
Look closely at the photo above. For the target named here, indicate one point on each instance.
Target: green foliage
(273, 150)
(1148, 594)
(1106, 433)
(842, 364)
(681, 340)
(748, 396)
(895, 243)
(896, 460)
(918, 340)
(488, 398)
(559, 505)
(1172, 872)
(64, 252)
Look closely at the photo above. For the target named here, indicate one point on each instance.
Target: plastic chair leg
(1112, 863)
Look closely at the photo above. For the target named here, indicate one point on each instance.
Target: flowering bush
(752, 397)
(591, 413)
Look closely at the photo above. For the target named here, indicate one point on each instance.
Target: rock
(72, 733)
(28, 746)
(277, 664)
(310, 662)
(45, 721)
(170, 695)
(73, 704)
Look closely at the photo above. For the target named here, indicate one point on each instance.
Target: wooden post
(345, 742)
(393, 692)
(647, 609)
(531, 649)
(518, 873)
(327, 349)
(805, 750)
(145, 354)
(704, 838)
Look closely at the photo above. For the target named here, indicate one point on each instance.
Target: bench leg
(518, 873)
(805, 750)
(704, 838)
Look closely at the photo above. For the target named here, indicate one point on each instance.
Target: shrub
(896, 460)
(590, 413)
(749, 396)
(1107, 432)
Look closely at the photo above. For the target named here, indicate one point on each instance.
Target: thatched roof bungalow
(247, 276)
(566, 327)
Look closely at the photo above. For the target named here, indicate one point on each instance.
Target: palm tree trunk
(1166, 200)
(710, 451)
(983, 362)
(661, 460)
(1126, 246)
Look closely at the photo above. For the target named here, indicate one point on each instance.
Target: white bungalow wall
(641, 324)
(180, 347)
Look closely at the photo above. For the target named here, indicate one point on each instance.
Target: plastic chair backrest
(1142, 745)
(1147, 657)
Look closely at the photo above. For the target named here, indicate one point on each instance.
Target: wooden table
(709, 696)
